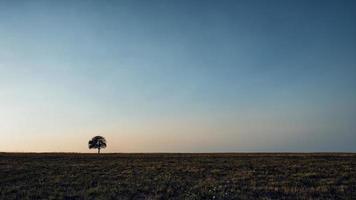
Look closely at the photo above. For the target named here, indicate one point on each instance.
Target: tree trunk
(99, 150)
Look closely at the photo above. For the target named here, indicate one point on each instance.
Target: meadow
(178, 176)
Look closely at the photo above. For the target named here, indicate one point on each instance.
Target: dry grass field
(177, 176)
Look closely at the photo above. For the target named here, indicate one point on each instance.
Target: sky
(178, 75)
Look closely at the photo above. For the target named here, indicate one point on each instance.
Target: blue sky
(186, 76)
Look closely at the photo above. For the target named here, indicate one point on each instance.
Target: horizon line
(227, 152)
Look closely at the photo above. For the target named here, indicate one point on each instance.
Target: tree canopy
(97, 142)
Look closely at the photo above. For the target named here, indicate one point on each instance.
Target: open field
(177, 176)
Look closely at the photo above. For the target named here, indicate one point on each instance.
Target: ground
(178, 176)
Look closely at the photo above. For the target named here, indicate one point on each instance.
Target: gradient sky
(178, 76)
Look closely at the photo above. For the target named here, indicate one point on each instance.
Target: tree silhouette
(97, 142)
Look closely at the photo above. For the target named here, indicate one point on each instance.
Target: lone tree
(97, 142)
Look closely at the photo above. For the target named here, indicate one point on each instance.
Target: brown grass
(178, 176)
